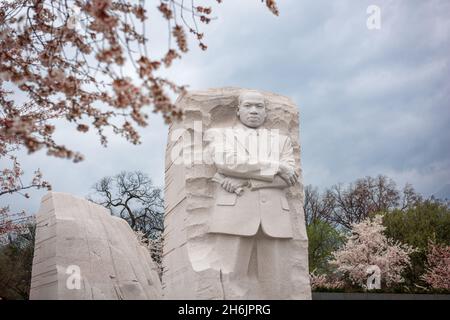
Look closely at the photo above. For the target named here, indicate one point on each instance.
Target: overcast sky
(371, 101)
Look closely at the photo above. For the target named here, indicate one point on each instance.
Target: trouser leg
(231, 258)
(274, 267)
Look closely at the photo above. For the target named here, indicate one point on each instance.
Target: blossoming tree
(87, 63)
(367, 246)
(438, 271)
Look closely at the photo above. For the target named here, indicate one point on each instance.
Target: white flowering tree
(367, 246)
(437, 274)
(325, 281)
(155, 247)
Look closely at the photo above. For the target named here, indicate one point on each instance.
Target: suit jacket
(263, 201)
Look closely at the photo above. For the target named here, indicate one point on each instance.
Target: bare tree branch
(132, 196)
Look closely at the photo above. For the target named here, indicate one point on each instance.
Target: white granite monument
(234, 221)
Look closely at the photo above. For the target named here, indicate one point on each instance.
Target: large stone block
(259, 266)
(74, 234)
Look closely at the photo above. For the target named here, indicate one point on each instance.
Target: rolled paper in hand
(220, 178)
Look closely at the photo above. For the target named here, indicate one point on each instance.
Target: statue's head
(252, 109)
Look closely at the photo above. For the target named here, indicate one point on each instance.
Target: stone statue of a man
(251, 217)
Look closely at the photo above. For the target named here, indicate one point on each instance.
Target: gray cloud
(370, 101)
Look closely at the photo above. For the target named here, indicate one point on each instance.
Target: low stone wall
(377, 296)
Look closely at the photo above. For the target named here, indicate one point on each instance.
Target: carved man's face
(252, 109)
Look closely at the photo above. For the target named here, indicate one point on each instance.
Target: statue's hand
(288, 174)
(231, 184)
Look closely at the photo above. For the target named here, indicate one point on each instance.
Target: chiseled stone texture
(75, 232)
(189, 271)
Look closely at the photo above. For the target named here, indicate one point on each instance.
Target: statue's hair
(242, 93)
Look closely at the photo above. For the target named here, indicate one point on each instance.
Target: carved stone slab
(190, 269)
(82, 252)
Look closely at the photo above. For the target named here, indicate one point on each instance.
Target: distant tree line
(407, 219)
